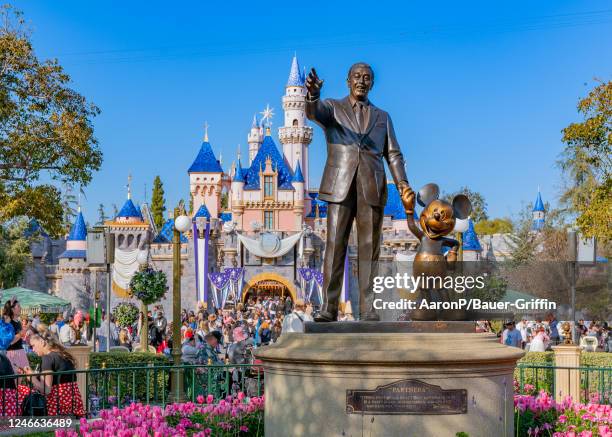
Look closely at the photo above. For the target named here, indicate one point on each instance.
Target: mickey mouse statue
(437, 220)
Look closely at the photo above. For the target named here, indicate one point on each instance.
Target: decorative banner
(225, 283)
(269, 245)
(309, 280)
(124, 267)
(201, 262)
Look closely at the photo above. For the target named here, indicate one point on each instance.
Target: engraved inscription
(407, 396)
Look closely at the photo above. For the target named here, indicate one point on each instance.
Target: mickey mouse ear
(427, 194)
(462, 206)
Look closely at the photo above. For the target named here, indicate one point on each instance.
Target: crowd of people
(540, 335)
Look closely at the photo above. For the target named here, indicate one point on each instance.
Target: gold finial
(206, 126)
(129, 186)
(268, 132)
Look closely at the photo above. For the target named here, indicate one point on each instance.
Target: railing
(595, 382)
(148, 384)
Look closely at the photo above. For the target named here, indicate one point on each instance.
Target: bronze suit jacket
(349, 149)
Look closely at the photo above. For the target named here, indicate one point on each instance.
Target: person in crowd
(15, 352)
(202, 329)
(35, 321)
(189, 349)
(277, 329)
(68, 333)
(539, 342)
(523, 328)
(209, 354)
(554, 331)
(288, 307)
(62, 391)
(265, 332)
(124, 339)
(294, 322)
(512, 337)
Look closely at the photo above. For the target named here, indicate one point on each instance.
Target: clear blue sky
(478, 91)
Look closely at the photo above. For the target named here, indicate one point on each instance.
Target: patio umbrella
(34, 302)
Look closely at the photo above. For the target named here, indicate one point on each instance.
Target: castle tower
(298, 201)
(254, 138)
(237, 199)
(538, 213)
(206, 179)
(73, 266)
(295, 135)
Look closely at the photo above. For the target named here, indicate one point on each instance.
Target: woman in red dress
(62, 391)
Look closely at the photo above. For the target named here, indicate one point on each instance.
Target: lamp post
(143, 260)
(182, 223)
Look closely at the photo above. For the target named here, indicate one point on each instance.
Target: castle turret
(238, 195)
(206, 179)
(255, 138)
(295, 135)
(73, 266)
(298, 200)
(539, 213)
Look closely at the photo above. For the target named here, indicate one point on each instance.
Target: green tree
(586, 162)
(523, 242)
(494, 226)
(101, 215)
(14, 252)
(46, 130)
(479, 205)
(158, 202)
(69, 207)
(224, 201)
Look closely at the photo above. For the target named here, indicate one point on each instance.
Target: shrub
(536, 377)
(124, 383)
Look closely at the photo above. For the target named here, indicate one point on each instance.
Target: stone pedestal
(429, 384)
(567, 380)
(81, 356)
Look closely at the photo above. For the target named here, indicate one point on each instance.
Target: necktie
(360, 115)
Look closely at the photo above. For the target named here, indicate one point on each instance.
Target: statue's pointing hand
(313, 84)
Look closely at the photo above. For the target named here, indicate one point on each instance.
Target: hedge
(123, 385)
(540, 378)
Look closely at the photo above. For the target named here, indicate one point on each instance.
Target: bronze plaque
(407, 396)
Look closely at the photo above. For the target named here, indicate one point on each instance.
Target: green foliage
(596, 359)
(158, 202)
(47, 318)
(46, 129)
(522, 242)
(149, 286)
(479, 205)
(101, 215)
(587, 164)
(125, 383)
(541, 377)
(224, 201)
(494, 226)
(15, 252)
(126, 314)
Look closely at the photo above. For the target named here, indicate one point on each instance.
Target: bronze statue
(359, 135)
(436, 221)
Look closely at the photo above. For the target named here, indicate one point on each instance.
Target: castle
(271, 226)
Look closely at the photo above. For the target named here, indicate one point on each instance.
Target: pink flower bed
(540, 415)
(232, 416)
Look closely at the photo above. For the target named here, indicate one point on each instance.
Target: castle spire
(129, 186)
(206, 131)
(295, 75)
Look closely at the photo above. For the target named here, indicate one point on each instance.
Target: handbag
(34, 404)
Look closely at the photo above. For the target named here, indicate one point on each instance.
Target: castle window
(268, 187)
(268, 219)
(295, 123)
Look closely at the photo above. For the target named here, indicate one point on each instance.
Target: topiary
(126, 314)
(149, 286)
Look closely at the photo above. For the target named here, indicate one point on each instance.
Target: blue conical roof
(394, 206)
(298, 176)
(539, 205)
(206, 161)
(295, 75)
(470, 238)
(78, 231)
(202, 212)
(268, 149)
(129, 210)
(167, 232)
(239, 176)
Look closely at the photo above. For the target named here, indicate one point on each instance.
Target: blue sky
(478, 91)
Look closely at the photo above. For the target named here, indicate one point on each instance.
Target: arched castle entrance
(268, 283)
